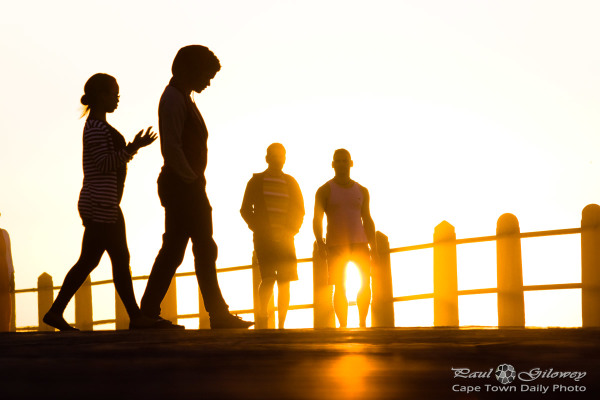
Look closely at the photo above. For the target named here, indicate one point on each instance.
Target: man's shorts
(339, 256)
(277, 259)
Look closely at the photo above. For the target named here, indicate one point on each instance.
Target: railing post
(511, 303)
(204, 318)
(255, 286)
(168, 306)
(13, 304)
(121, 316)
(84, 319)
(445, 284)
(382, 310)
(6, 309)
(5, 297)
(324, 316)
(590, 266)
(45, 299)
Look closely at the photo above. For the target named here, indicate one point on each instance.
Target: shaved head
(341, 153)
(275, 157)
(275, 148)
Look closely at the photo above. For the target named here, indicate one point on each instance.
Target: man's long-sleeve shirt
(183, 135)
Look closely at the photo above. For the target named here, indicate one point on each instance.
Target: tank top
(343, 210)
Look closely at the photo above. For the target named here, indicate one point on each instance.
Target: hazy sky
(452, 110)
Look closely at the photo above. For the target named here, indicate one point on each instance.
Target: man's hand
(374, 253)
(322, 248)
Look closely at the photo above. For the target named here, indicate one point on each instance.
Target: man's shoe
(228, 321)
(145, 322)
(166, 324)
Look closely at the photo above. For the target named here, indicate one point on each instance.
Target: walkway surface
(301, 364)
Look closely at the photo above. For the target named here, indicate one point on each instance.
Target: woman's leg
(92, 248)
(116, 246)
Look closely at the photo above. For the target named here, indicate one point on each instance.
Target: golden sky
(457, 111)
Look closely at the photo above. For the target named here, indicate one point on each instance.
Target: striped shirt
(277, 198)
(267, 202)
(104, 168)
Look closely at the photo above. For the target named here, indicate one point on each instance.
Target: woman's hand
(141, 140)
(144, 139)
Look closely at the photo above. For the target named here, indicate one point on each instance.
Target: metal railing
(445, 295)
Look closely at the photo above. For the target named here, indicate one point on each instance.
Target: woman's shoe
(57, 321)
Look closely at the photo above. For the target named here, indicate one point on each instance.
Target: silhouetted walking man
(182, 188)
(350, 232)
(273, 208)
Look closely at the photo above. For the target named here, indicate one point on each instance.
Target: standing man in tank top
(350, 234)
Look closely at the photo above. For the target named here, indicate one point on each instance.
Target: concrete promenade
(397, 363)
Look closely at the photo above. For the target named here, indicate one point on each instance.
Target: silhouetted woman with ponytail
(105, 158)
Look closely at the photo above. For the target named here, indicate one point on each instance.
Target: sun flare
(353, 280)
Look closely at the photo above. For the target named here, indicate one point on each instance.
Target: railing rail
(510, 287)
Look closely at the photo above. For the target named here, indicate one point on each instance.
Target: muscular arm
(367, 220)
(320, 201)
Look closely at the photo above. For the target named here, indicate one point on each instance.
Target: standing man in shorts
(273, 208)
(350, 233)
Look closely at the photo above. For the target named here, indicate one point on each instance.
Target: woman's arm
(97, 141)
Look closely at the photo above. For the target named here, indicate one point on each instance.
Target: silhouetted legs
(277, 263)
(205, 253)
(187, 216)
(283, 302)
(338, 258)
(265, 292)
(340, 304)
(363, 299)
(166, 263)
(98, 238)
